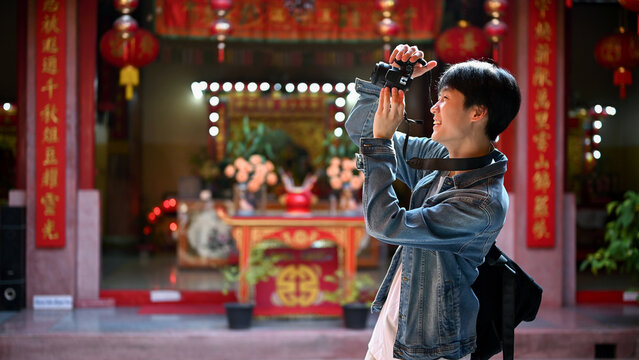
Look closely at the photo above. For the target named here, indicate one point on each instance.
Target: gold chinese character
(50, 65)
(49, 114)
(541, 162)
(541, 100)
(50, 135)
(542, 6)
(326, 15)
(49, 87)
(48, 230)
(50, 45)
(541, 77)
(49, 201)
(50, 24)
(50, 178)
(542, 54)
(542, 140)
(50, 157)
(540, 229)
(541, 180)
(277, 15)
(543, 31)
(541, 118)
(50, 5)
(540, 207)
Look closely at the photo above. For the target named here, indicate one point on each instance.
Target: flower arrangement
(254, 172)
(344, 177)
(342, 172)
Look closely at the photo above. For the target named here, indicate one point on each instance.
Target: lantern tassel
(386, 52)
(621, 79)
(129, 77)
(220, 52)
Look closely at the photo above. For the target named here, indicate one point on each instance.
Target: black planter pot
(239, 315)
(355, 315)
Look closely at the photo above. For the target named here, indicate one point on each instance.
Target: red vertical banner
(50, 122)
(542, 134)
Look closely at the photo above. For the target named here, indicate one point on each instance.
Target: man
(428, 308)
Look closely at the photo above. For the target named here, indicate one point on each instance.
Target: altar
(297, 232)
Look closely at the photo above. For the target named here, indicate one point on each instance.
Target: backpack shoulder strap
(508, 312)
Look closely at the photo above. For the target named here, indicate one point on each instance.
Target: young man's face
(451, 122)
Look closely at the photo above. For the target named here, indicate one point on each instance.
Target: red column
(87, 45)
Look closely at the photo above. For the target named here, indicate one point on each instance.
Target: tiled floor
(567, 333)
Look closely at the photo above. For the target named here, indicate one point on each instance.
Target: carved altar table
(297, 232)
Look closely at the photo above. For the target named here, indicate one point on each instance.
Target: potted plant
(622, 236)
(261, 267)
(354, 295)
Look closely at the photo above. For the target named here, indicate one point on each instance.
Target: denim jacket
(442, 238)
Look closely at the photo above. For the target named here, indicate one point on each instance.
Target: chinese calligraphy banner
(346, 20)
(50, 123)
(542, 123)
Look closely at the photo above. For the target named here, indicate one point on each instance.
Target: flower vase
(348, 203)
(247, 202)
(243, 199)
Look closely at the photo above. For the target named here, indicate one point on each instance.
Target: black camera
(386, 75)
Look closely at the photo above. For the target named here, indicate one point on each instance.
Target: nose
(434, 108)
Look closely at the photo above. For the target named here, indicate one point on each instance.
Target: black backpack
(507, 296)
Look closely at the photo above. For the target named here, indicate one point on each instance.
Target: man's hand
(405, 53)
(390, 112)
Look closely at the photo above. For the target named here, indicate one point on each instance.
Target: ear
(479, 112)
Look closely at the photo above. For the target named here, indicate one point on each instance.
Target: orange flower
(255, 159)
(242, 176)
(271, 178)
(346, 175)
(332, 171)
(229, 171)
(254, 185)
(336, 183)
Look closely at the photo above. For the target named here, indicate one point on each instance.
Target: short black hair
(488, 85)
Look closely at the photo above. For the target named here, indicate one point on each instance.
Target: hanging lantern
(496, 8)
(125, 6)
(619, 52)
(632, 5)
(221, 28)
(126, 26)
(129, 54)
(387, 27)
(221, 7)
(495, 29)
(462, 43)
(386, 7)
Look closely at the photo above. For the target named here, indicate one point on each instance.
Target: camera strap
(457, 164)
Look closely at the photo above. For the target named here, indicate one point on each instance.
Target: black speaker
(12, 257)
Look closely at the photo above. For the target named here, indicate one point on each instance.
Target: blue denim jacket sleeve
(360, 125)
(450, 225)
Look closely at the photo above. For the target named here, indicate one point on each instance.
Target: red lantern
(125, 25)
(125, 6)
(221, 28)
(462, 43)
(221, 6)
(619, 52)
(495, 29)
(129, 54)
(386, 6)
(387, 28)
(495, 8)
